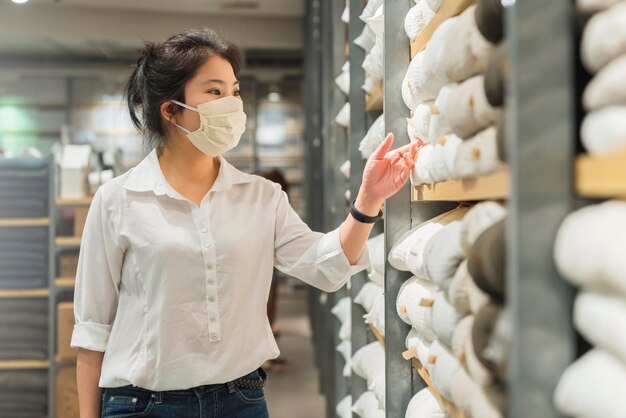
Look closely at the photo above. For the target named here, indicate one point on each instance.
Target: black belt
(243, 383)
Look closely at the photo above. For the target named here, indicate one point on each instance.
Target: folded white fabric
(377, 278)
(367, 406)
(439, 126)
(417, 19)
(595, 316)
(345, 348)
(482, 407)
(369, 362)
(604, 37)
(463, 390)
(344, 407)
(443, 369)
(607, 88)
(594, 5)
(345, 15)
(458, 294)
(376, 316)
(370, 8)
(345, 169)
(367, 295)
(376, 249)
(414, 305)
(589, 248)
(420, 123)
(343, 117)
(343, 82)
(378, 388)
(443, 254)
(467, 110)
(477, 220)
(445, 318)
(374, 137)
(424, 405)
(477, 156)
(593, 387)
(422, 168)
(366, 39)
(603, 132)
(377, 22)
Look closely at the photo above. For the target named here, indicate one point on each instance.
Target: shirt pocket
(119, 403)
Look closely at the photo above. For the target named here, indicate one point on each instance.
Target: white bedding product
(377, 22)
(477, 220)
(445, 318)
(424, 405)
(377, 278)
(467, 110)
(367, 406)
(345, 15)
(594, 5)
(408, 88)
(425, 76)
(420, 174)
(367, 295)
(462, 332)
(482, 407)
(343, 117)
(419, 343)
(463, 390)
(603, 132)
(608, 87)
(458, 294)
(345, 68)
(451, 144)
(370, 8)
(345, 348)
(412, 339)
(376, 316)
(593, 387)
(373, 63)
(443, 254)
(373, 138)
(345, 169)
(344, 407)
(476, 296)
(345, 331)
(370, 84)
(477, 156)
(369, 362)
(595, 316)
(434, 5)
(342, 310)
(417, 19)
(366, 39)
(421, 121)
(604, 37)
(439, 126)
(438, 168)
(444, 368)
(343, 82)
(414, 305)
(376, 249)
(474, 367)
(589, 248)
(378, 388)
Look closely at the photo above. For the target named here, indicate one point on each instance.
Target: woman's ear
(168, 111)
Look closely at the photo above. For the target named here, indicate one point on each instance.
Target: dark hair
(163, 69)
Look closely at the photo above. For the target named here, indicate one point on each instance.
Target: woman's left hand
(385, 173)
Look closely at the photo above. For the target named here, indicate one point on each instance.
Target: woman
(177, 254)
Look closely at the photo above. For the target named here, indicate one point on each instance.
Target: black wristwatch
(364, 218)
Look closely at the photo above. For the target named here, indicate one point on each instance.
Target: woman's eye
(216, 92)
(237, 93)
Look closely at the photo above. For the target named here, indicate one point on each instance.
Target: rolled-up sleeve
(315, 258)
(97, 278)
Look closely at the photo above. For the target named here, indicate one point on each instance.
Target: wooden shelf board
(65, 281)
(449, 8)
(79, 201)
(379, 335)
(494, 186)
(601, 177)
(64, 361)
(446, 405)
(23, 222)
(24, 293)
(24, 364)
(374, 101)
(67, 241)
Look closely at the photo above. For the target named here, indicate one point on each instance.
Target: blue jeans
(211, 401)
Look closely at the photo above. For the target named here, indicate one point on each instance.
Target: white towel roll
(407, 88)
(345, 349)
(366, 39)
(414, 305)
(344, 407)
(378, 388)
(438, 168)
(412, 339)
(603, 132)
(593, 387)
(439, 126)
(458, 294)
(444, 368)
(463, 390)
(450, 149)
(421, 121)
(443, 254)
(421, 170)
(478, 156)
(376, 316)
(369, 362)
(589, 248)
(367, 296)
(478, 219)
(444, 318)
(367, 406)
(607, 88)
(343, 117)
(417, 19)
(424, 405)
(604, 37)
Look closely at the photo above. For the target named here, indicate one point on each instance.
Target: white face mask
(222, 122)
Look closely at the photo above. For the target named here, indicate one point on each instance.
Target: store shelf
(379, 335)
(446, 405)
(374, 101)
(23, 293)
(65, 282)
(601, 177)
(81, 201)
(491, 187)
(24, 364)
(448, 9)
(24, 222)
(67, 242)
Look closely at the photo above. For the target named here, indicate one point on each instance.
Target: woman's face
(215, 79)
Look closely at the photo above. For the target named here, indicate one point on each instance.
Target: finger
(409, 161)
(384, 147)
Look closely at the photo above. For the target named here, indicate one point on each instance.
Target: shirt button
(204, 230)
(207, 245)
(209, 266)
(211, 281)
(212, 319)
(213, 337)
(211, 299)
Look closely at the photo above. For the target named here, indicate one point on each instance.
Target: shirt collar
(147, 176)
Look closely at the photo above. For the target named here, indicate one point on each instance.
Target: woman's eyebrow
(222, 82)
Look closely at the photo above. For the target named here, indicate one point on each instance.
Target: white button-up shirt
(175, 294)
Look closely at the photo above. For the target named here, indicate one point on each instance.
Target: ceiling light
(273, 97)
(19, 1)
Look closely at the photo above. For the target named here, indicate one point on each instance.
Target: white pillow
(343, 117)
(478, 219)
(607, 88)
(458, 294)
(342, 310)
(477, 156)
(369, 362)
(467, 110)
(443, 254)
(345, 16)
(417, 18)
(377, 278)
(595, 317)
(370, 8)
(343, 82)
(604, 37)
(439, 126)
(421, 170)
(603, 132)
(374, 137)
(463, 391)
(367, 406)
(445, 318)
(438, 168)
(376, 249)
(345, 169)
(424, 405)
(477, 297)
(366, 39)
(345, 348)
(344, 407)
(420, 122)
(594, 5)
(593, 387)
(377, 23)
(444, 368)
(589, 249)
(414, 305)
(378, 388)
(376, 316)
(367, 296)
